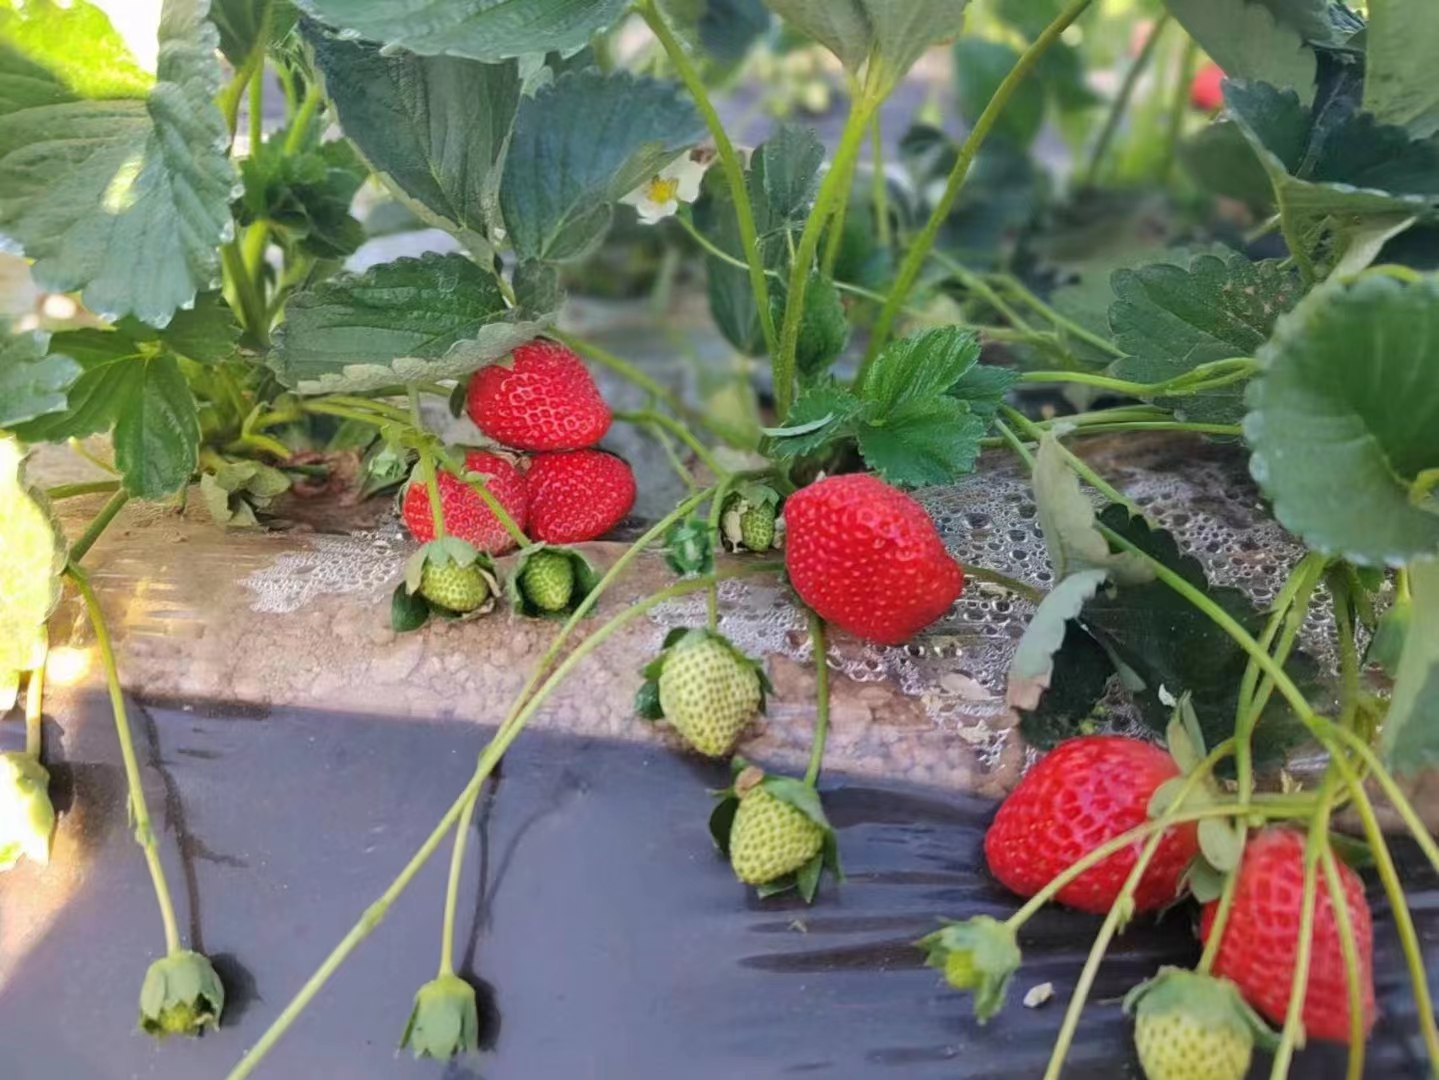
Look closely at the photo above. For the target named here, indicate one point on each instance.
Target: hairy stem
(496, 749)
(820, 647)
(981, 288)
(1178, 103)
(98, 525)
(452, 886)
(729, 161)
(35, 701)
(879, 185)
(70, 491)
(914, 261)
(1121, 102)
(1350, 951)
(139, 811)
(679, 431)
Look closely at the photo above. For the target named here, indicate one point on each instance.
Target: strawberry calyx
(979, 954)
(647, 699)
(550, 581)
(751, 782)
(447, 577)
(689, 549)
(1211, 1002)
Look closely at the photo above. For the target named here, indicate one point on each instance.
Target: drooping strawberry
(466, 514)
(542, 398)
(867, 558)
(1081, 794)
(707, 689)
(578, 496)
(1189, 1026)
(1205, 92)
(1262, 936)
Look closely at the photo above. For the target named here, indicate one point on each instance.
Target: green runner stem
(820, 648)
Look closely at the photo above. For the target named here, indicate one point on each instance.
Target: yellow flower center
(663, 189)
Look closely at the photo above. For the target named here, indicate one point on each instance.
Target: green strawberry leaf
(824, 326)
(1172, 647)
(919, 369)
(579, 145)
(1031, 672)
(821, 415)
(980, 66)
(723, 30)
(304, 196)
(205, 333)
(434, 127)
(126, 199)
(1079, 678)
(246, 25)
(1170, 320)
(983, 388)
(1341, 420)
(689, 548)
(435, 317)
(47, 33)
(731, 297)
(891, 33)
(923, 442)
(1410, 737)
(408, 609)
(1248, 41)
(1334, 165)
(1399, 51)
(784, 176)
(1387, 644)
(1066, 515)
(32, 382)
(487, 30)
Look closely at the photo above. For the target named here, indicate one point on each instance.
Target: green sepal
(27, 816)
(1352, 850)
(1210, 1001)
(586, 579)
(181, 995)
(689, 548)
(1202, 880)
(1387, 644)
(647, 701)
(408, 610)
(980, 954)
(444, 1021)
(747, 497)
(807, 801)
(722, 820)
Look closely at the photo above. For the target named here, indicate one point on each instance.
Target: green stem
(1178, 103)
(35, 701)
(427, 469)
(1221, 915)
(679, 431)
(879, 186)
(101, 522)
(1117, 911)
(78, 448)
(452, 886)
(139, 812)
(1086, 378)
(1314, 847)
(476, 483)
(230, 97)
(833, 190)
(1120, 414)
(821, 698)
(491, 756)
(1230, 430)
(994, 577)
(1388, 785)
(70, 491)
(919, 250)
(1020, 450)
(716, 516)
(1121, 103)
(1348, 649)
(729, 161)
(1076, 463)
(1349, 948)
(304, 117)
(977, 285)
(383, 408)
(1394, 890)
(257, 104)
(1023, 293)
(253, 312)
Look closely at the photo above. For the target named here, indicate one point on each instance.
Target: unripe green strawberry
(770, 837)
(456, 588)
(709, 692)
(1190, 1026)
(756, 527)
(749, 517)
(548, 580)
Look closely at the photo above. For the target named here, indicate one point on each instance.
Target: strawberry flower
(660, 196)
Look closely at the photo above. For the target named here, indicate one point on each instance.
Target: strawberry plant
(199, 213)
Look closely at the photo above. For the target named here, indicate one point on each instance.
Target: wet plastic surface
(615, 942)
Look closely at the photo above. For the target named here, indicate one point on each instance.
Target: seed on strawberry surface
(1189, 1026)
(465, 512)
(542, 398)
(708, 691)
(866, 557)
(578, 496)
(1082, 794)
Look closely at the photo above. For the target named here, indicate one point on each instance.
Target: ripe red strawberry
(542, 399)
(1262, 936)
(1205, 93)
(1081, 794)
(867, 558)
(578, 496)
(466, 514)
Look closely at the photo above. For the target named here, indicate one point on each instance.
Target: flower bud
(181, 995)
(445, 1020)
